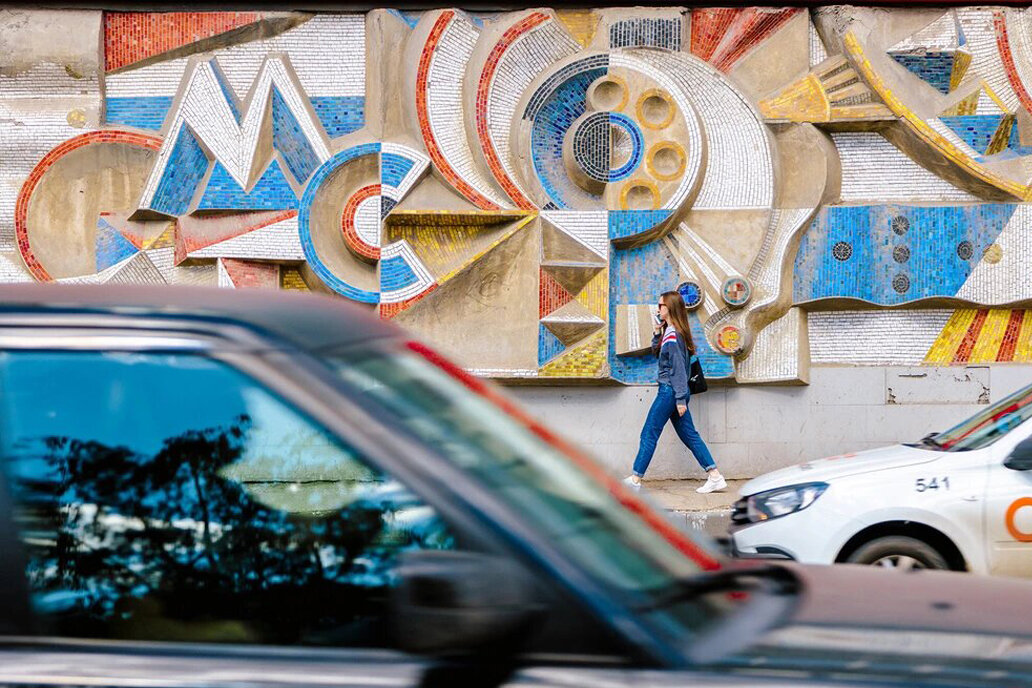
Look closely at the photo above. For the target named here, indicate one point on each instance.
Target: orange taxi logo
(1009, 519)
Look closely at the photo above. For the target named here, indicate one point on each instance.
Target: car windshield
(985, 427)
(614, 536)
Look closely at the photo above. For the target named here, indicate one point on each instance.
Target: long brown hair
(677, 317)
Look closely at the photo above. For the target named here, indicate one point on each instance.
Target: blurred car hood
(893, 456)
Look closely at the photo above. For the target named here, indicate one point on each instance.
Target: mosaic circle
(609, 93)
(965, 251)
(900, 224)
(692, 294)
(901, 254)
(639, 194)
(666, 160)
(901, 283)
(655, 109)
(842, 250)
(729, 339)
(593, 146)
(736, 291)
(993, 253)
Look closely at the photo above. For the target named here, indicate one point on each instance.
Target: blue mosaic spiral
(592, 141)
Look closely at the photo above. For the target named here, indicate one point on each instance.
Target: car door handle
(970, 498)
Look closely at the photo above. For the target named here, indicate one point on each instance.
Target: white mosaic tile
(818, 53)
(588, 228)
(876, 337)
(278, 241)
(775, 355)
(993, 284)
(423, 277)
(939, 35)
(980, 30)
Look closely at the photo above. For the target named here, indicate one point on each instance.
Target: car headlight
(764, 506)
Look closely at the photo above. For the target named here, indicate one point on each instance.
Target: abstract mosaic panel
(517, 186)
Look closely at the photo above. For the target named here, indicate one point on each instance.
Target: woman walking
(671, 338)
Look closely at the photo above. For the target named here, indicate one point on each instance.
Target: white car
(960, 499)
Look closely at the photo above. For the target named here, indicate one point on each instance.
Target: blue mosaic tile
(227, 91)
(272, 192)
(290, 141)
(304, 219)
(976, 131)
(891, 255)
(646, 33)
(143, 113)
(624, 224)
(339, 115)
(111, 246)
(554, 118)
(393, 168)
(549, 345)
(934, 68)
(640, 275)
(184, 171)
(396, 274)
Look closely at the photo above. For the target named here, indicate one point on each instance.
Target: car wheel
(899, 552)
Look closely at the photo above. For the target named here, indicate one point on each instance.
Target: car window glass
(988, 425)
(171, 497)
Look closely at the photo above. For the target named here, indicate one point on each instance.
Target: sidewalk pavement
(709, 513)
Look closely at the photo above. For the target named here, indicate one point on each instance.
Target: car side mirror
(457, 604)
(1020, 458)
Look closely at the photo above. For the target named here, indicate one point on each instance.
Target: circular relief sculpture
(639, 194)
(993, 253)
(655, 109)
(965, 250)
(608, 93)
(736, 291)
(901, 254)
(692, 294)
(729, 340)
(901, 283)
(842, 251)
(900, 224)
(666, 160)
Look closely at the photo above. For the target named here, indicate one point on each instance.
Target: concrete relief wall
(834, 186)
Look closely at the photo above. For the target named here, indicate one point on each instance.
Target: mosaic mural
(837, 185)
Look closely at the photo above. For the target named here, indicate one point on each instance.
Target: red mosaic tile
(354, 242)
(1007, 57)
(1010, 337)
(434, 150)
(750, 28)
(553, 295)
(130, 37)
(21, 206)
(967, 345)
(248, 274)
(708, 27)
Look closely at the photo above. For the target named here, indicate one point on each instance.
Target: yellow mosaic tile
(580, 23)
(291, 280)
(589, 359)
(948, 341)
(166, 239)
(987, 347)
(1023, 349)
(595, 295)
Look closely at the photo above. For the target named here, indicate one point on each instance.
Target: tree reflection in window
(260, 529)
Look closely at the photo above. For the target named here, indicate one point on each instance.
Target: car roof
(307, 320)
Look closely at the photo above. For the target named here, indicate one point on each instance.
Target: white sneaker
(631, 483)
(712, 485)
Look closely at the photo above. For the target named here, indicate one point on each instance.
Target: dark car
(206, 488)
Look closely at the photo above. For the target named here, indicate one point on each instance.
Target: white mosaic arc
(423, 277)
(766, 274)
(1005, 282)
(367, 220)
(876, 337)
(589, 228)
(420, 163)
(938, 35)
(519, 65)
(202, 105)
(278, 241)
(739, 151)
(193, 275)
(444, 103)
(693, 143)
(875, 171)
(327, 52)
(979, 28)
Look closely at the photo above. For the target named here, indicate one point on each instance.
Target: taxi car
(959, 499)
(218, 489)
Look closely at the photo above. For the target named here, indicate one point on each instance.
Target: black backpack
(696, 378)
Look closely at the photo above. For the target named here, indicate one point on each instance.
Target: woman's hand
(681, 410)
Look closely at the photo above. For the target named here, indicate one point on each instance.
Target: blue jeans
(664, 408)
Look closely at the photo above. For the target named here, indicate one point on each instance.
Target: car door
(1008, 504)
(162, 495)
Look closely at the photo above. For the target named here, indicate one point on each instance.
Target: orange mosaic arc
(1008, 519)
